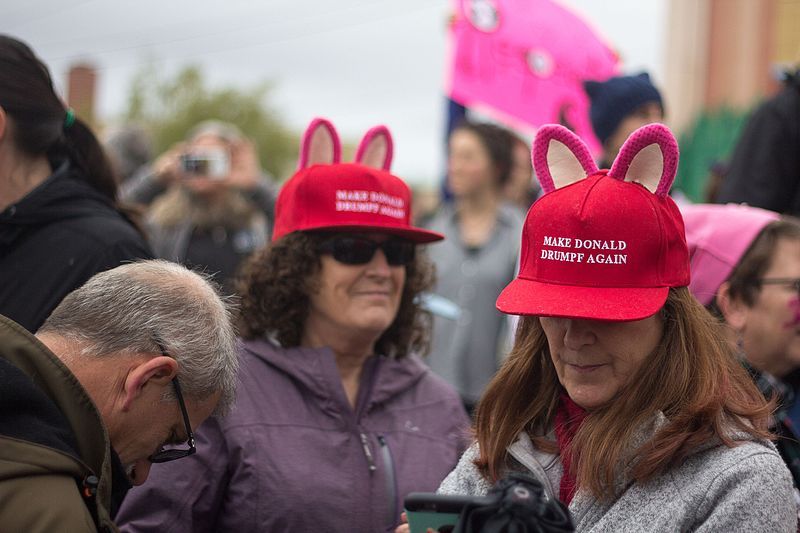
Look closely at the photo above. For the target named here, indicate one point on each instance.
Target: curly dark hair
(275, 284)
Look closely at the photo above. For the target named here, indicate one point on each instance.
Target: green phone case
(420, 521)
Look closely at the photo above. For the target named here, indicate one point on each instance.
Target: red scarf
(569, 417)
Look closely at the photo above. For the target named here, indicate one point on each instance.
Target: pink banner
(526, 60)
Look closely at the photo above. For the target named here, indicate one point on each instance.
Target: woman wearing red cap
(620, 394)
(336, 420)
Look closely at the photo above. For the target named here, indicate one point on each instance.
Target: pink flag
(525, 60)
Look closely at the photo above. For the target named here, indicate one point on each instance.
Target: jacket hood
(315, 370)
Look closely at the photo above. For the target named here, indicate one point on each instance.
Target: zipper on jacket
(391, 480)
(368, 452)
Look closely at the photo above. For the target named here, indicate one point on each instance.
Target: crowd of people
(306, 356)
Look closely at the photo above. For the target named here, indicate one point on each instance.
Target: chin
(589, 400)
(375, 327)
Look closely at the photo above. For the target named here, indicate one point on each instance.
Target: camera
(209, 163)
(517, 503)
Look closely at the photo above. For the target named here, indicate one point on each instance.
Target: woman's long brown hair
(693, 377)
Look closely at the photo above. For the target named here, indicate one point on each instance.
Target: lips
(585, 369)
(373, 293)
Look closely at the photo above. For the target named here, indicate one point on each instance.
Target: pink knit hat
(718, 236)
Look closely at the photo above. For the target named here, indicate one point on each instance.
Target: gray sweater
(746, 488)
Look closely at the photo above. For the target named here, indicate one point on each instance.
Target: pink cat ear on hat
(560, 158)
(648, 157)
(376, 148)
(320, 145)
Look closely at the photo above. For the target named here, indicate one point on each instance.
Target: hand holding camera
(211, 163)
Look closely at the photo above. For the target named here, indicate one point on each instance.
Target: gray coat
(466, 350)
(746, 488)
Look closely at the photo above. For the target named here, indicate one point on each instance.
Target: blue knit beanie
(616, 98)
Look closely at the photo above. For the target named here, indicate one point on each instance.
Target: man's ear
(154, 371)
(734, 310)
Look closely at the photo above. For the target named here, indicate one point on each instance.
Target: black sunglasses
(360, 250)
(165, 455)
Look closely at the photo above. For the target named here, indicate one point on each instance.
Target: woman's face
(470, 168)
(354, 302)
(770, 327)
(595, 360)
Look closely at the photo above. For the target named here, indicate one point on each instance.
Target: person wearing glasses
(117, 378)
(746, 270)
(337, 418)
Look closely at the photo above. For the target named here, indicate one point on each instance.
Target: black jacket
(765, 165)
(55, 239)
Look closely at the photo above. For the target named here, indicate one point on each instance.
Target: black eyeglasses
(794, 283)
(170, 454)
(360, 250)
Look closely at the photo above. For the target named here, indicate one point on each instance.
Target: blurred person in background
(522, 189)
(620, 395)
(59, 219)
(764, 169)
(129, 148)
(477, 259)
(620, 105)
(209, 203)
(337, 419)
(745, 265)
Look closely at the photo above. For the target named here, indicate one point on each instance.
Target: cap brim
(528, 297)
(417, 235)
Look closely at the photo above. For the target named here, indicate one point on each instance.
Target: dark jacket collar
(30, 356)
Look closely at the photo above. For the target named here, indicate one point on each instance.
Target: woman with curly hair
(337, 419)
(621, 395)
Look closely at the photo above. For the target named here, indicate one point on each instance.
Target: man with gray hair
(117, 378)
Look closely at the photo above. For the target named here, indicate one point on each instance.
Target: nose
(579, 333)
(379, 266)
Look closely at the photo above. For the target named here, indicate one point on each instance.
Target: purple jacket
(294, 456)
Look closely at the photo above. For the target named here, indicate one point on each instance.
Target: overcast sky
(357, 62)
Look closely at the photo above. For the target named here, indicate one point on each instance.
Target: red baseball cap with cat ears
(600, 245)
(325, 194)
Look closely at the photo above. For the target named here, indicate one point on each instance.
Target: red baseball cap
(600, 245)
(325, 194)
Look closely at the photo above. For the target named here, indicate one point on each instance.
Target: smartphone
(209, 163)
(438, 512)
